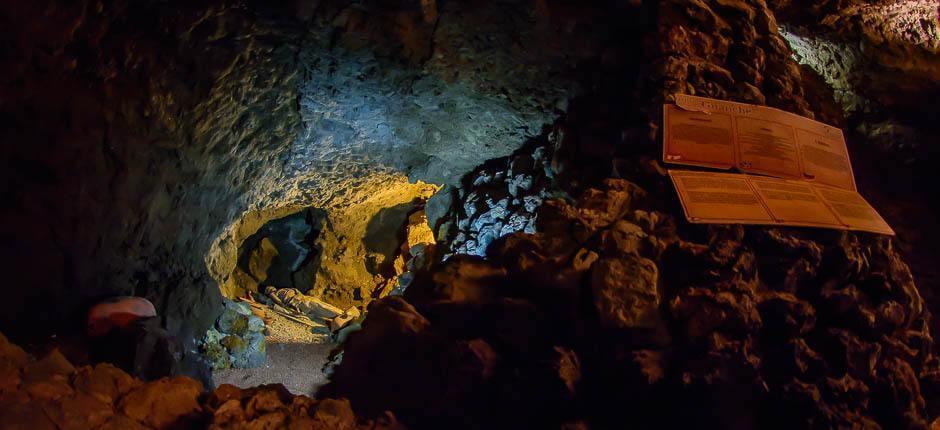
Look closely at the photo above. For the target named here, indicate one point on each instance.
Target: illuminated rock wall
(145, 140)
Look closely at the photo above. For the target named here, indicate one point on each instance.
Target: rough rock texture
(614, 315)
(895, 43)
(237, 339)
(497, 198)
(153, 139)
(408, 92)
(148, 139)
(135, 130)
(882, 60)
(52, 394)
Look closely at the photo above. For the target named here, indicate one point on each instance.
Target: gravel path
(295, 358)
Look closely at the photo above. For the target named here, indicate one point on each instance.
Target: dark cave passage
(434, 214)
(283, 252)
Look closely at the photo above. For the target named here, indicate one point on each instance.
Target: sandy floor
(296, 365)
(295, 358)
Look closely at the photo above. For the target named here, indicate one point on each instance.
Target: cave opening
(303, 281)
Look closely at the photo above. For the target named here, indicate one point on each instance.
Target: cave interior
(435, 214)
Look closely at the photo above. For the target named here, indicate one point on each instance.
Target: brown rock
(270, 420)
(80, 411)
(625, 293)
(104, 382)
(26, 416)
(121, 422)
(467, 365)
(223, 393)
(622, 238)
(9, 378)
(583, 260)
(467, 280)
(568, 366)
(785, 315)
(703, 311)
(651, 365)
(48, 378)
(301, 405)
(556, 218)
(165, 402)
(54, 364)
(260, 259)
(392, 334)
(332, 414)
(229, 413)
(12, 353)
(50, 389)
(266, 399)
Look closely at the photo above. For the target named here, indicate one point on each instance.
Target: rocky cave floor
(557, 284)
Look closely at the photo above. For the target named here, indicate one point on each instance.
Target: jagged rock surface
(714, 327)
(615, 315)
(237, 338)
(724, 326)
(52, 394)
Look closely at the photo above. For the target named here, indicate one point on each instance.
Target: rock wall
(146, 140)
(150, 140)
(51, 393)
(616, 313)
(409, 93)
(882, 61)
(134, 131)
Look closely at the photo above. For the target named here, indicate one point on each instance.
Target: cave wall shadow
(384, 235)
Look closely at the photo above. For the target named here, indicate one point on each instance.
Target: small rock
(255, 324)
(341, 321)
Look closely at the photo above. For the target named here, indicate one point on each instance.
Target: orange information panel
(754, 139)
(732, 198)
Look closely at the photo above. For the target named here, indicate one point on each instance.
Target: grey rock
(255, 324)
(519, 184)
(438, 206)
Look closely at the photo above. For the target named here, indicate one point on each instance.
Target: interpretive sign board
(754, 139)
(809, 179)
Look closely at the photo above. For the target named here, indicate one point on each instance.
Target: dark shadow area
(283, 253)
(384, 235)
